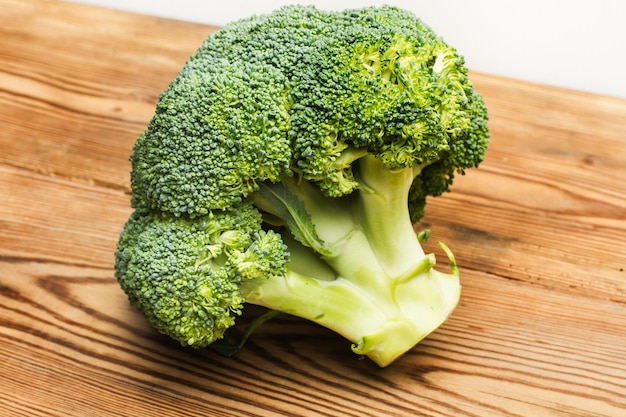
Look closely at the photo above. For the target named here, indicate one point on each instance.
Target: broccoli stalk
(355, 268)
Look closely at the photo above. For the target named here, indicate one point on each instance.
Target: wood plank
(495, 354)
(79, 88)
(537, 231)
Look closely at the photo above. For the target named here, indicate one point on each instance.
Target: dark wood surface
(538, 232)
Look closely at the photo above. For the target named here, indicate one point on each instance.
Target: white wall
(578, 44)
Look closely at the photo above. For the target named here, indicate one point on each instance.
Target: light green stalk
(356, 265)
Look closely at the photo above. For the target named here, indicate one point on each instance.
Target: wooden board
(538, 232)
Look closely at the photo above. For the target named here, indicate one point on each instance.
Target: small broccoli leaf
(228, 348)
(423, 235)
(278, 200)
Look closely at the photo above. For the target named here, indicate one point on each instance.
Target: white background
(576, 44)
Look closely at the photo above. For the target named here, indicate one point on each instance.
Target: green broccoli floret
(285, 166)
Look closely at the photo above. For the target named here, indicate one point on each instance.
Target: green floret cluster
(313, 91)
(163, 251)
(285, 166)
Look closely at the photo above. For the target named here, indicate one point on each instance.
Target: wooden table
(538, 232)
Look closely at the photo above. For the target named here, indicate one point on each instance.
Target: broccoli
(286, 165)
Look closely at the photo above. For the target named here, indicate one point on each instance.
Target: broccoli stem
(358, 267)
(381, 326)
(382, 211)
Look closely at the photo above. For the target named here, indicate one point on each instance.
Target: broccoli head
(285, 166)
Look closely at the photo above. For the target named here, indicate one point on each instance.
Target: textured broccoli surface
(285, 166)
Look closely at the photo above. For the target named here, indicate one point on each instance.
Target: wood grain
(538, 232)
